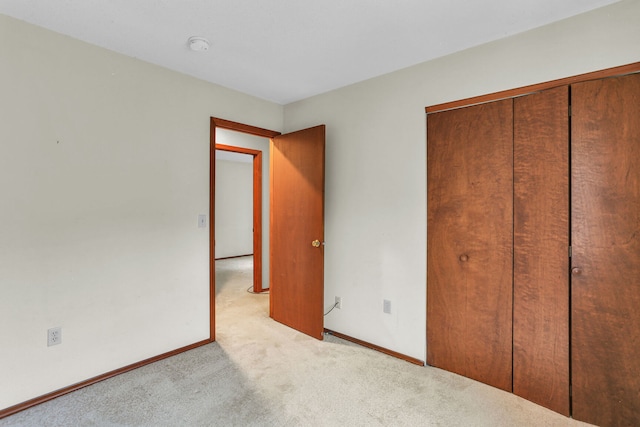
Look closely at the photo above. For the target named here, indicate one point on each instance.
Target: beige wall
(104, 168)
(376, 161)
(234, 208)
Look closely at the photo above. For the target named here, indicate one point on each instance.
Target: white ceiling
(286, 50)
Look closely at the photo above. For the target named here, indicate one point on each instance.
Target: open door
(297, 230)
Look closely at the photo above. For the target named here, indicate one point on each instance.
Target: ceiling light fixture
(198, 44)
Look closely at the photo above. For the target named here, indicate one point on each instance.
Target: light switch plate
(386, 306)
(202, 221)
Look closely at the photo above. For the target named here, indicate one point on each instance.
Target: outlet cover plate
(54, 336)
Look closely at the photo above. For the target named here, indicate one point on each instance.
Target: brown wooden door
(470, 241)
(605, 232)
(541, 249)
(297, 220)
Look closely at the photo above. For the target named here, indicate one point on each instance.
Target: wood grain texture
(541, 242)
(606, 251)
(470, 239)
(297, 219)
(525, 90)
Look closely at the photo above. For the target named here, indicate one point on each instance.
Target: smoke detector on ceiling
(198, 44)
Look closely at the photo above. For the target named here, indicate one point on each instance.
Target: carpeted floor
(261, 373)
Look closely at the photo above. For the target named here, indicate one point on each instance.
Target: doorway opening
(256, 248)
(258, 225)
(296, 225)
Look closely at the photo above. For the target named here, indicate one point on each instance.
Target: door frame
(242, 128)
(257, 209)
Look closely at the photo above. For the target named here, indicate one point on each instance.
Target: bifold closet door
(470, 238)
(605, 279)
(541, 248)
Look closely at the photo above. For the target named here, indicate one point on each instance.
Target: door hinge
(569, 110)
(570, 252)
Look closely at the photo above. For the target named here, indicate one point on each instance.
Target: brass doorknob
(576, 271)
(315, 243)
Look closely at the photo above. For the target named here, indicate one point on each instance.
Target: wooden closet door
(605, 281)
(470, 238)
(541, 249)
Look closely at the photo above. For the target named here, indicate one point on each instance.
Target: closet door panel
(605, 279)
(541, 249)
(470, 238)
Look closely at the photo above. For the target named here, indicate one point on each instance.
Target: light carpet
(262, 373)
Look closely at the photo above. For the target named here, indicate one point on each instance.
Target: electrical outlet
(386, 306)
(54, 336)
(338, 302)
